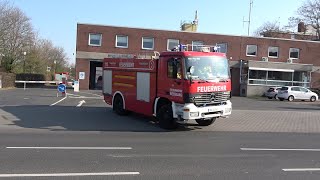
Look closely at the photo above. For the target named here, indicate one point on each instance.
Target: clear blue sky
(57, 19)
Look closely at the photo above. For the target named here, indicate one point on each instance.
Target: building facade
(256, 62)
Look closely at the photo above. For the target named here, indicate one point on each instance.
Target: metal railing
(37, 82)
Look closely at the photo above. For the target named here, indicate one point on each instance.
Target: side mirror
(191, 70)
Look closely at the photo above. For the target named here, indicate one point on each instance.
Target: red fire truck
(174, 86)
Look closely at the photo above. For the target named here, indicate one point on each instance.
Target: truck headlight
(194, 114)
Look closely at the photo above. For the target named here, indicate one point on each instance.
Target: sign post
(76, 86)
(62, 88)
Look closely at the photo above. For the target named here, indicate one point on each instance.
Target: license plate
(211, 110)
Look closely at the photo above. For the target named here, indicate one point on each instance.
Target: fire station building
(255, 62)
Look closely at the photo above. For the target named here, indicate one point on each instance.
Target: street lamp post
(24, 61)
(55, 69)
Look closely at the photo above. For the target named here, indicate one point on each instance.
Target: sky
(57, 20)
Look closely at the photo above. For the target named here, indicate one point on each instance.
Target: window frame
(277, 52)
(193, 45)
(290, 53)
(226, 46)
(168, 43)
(249, 55)
(174, 71)
(147, 37)
(116, 44)
(89, 39)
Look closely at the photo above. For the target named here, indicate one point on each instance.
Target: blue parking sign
(62, 88)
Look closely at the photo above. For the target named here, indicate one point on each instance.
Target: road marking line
(73, 94)
(70, 174)
(267, 149)
(80, 103)
(58, 101)
(301, 169)
(84, 97)
(74, 148)
(92, 94)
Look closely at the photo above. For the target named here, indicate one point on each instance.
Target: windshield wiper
(201, 80)
(221, 79)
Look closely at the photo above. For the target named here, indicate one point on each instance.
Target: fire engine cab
(174, 86)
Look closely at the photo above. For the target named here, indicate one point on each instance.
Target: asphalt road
(62, 140)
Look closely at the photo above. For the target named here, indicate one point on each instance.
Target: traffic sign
(62, 88)
(82, 75)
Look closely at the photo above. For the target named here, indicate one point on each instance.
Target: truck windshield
(207, 68)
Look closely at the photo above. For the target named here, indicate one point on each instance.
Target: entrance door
(95, 77)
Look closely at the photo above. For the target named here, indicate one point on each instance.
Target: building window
(223, 47)
(274, 77)
(171, 43)
(252, 50)
(147, 43)
(122, 41)
(196, 45)
(294, 53)
(273, 52)
(95, 39)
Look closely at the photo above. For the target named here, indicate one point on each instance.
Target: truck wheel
(165, 117)
(118, 106)
(203, 122)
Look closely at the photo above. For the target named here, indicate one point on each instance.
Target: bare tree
(16, 35)
(309, 13)
(268, 29)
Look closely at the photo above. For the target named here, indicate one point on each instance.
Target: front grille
(210, 98)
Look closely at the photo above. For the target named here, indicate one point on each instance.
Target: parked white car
(272, 92)
(291, 93)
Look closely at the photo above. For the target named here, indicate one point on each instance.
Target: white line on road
(301, 169)
(58, 101)
(72, 94)
(267, 149)
(80, 103)
(70, 174)
(74, 148)
(84, 97)
(92, 94)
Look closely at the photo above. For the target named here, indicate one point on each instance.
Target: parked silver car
(291, 93)
(272, 92)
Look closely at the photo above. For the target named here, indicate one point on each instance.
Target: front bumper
(191, 112)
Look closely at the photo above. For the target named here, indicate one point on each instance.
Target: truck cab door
(171, 83)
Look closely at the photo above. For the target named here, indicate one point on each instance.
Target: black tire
(118, 106)
(203, 122)
(165, 117)
(281, 99)
(269, 97)
(290, 98)
(313, 99)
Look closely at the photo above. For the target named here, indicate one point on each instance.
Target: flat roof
(271, 38)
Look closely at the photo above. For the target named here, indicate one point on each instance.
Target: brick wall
(309, 51)
(83, 65)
